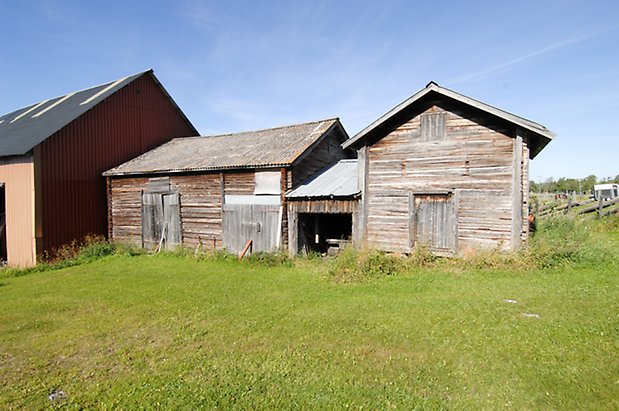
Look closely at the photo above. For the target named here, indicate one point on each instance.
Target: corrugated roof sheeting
(23, 129)
(274, 147)
(338, 180)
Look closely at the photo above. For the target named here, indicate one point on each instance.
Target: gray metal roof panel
(274, 147)
(23, 129)
(337, 180)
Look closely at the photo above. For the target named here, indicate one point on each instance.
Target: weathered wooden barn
(52, 155)
(445, 171)
(219, 191)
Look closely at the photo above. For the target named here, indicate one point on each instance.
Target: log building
(219, 191)
(447, 172)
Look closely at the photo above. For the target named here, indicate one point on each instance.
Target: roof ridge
(535, 123)
(307, 123)
(78, 91)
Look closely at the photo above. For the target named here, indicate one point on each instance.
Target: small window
(268, 182)
(433, 126)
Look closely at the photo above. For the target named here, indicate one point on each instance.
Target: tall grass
(560, 242)
(90, 249)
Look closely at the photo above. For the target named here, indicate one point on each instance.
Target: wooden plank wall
(239, 182)
(201, 205)
(126, 209)
(324, 206)
(475, 158)
(327, 152)
(200, 197)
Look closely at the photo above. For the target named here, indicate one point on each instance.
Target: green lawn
(173, 332)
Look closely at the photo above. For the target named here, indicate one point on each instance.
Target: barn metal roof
(337, 180)
(273, 147)
(24, 129)
(545, 135)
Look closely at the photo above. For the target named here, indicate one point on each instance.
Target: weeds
(90, 249)
(274, 259)
(565, 240)
(560, 241)
(354, 265)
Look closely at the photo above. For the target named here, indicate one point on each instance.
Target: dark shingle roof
(274, 147)
(23, 129)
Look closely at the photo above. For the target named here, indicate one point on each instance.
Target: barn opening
(324, 233)
(3, 252)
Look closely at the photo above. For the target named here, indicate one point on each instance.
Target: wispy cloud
(529, 56)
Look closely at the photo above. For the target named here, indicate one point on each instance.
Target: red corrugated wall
(72, 191)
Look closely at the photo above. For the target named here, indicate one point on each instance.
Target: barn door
(161, 219)
(256, 222)
(433, 222)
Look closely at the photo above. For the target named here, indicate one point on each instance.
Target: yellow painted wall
(17, 174)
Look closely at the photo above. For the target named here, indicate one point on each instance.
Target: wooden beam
(363, 176)
(517, 193)
(247, 248)
(110, 220)
(412, 226)
(456, 200)
(293, 236)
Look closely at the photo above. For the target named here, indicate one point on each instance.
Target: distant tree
(588, 183)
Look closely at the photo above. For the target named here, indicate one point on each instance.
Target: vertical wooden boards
(456, 213)
(363, 179)
(432, 126)
(412, 221)
(435, 222)
(152, 220)
(161, 219)
(172, 219)
(293, 233)
(256, 222)
(517, 193)
(526, 206)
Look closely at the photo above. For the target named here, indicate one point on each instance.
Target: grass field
(173, 332)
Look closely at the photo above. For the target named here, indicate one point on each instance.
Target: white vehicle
(606, 191)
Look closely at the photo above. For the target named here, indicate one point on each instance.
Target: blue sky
(242, 65)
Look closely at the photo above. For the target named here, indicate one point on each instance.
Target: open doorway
(324, 233)
(3, 252)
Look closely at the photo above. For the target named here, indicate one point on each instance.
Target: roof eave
(433, 87)
(352, 196)
(112, 173)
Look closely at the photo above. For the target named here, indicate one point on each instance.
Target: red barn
(52, 154)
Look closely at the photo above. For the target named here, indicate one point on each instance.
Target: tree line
(563, 185)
